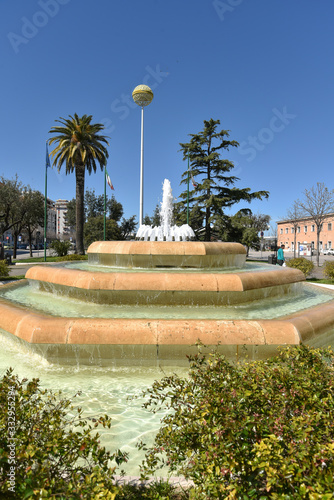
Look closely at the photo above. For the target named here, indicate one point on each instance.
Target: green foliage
(255, 430)
(47, 448)
(10, 203)
(71, 216)
(215, 188)
(243, 227)
(127, 227)
(94, 206)
(160, 490)
(94, 229)
(196, 217)
(328, 270)
(60, 247)
(72, 256)
(4, 269)
(304, 265)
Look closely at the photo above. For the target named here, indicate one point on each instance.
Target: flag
(47, 162)
(109, 181)
(194, 183)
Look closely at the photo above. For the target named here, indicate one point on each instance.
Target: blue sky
(264, 68)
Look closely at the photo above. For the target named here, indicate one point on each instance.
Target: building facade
(61, 218)
(303, 233)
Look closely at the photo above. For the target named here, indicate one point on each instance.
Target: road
(25, 254)
(253, 254)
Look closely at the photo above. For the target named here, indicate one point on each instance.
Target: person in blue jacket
(280, 255)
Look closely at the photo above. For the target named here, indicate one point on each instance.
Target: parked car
(20, 246)
(329, 251)
(33, 247)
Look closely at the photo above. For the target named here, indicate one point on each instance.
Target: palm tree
(80, 147)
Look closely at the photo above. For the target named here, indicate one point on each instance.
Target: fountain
(165, 232)
(109, 326)
(149, 302)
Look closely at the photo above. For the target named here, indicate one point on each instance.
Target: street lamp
(142, 95)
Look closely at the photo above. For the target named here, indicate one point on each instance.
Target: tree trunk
(80, 215)
(318, 243)
(15, 246)
(207, 225)
(30, 243)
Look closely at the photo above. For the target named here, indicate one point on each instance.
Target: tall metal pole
(142, 95)
(141, 203)
(47, 165)
(188, 192)
(105, 204)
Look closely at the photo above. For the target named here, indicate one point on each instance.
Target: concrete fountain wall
(144, 340)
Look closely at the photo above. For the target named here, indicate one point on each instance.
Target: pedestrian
(280, 255)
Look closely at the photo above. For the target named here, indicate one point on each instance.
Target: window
(313, 228)
(305, 229)
(292, 230)
(298, 229)
(286, 230)
(329, 244)
(329, 226)
(281, 231)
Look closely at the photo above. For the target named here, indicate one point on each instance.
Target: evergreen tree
(215, 189)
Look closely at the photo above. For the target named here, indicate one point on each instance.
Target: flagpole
(45, 198)
(188, 192)
(105, 203)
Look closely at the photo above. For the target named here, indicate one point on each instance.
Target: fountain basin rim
(166, 248)
(164, 281)
(37, 328)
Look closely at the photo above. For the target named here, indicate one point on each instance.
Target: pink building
(304, 232)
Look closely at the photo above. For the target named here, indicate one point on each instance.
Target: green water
(302, 296)
(249, 266)
(104, 391)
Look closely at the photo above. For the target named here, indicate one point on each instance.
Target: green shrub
(47, 448)
(160, 490)
(257, 430)
(304, 265)
(329, 270)
(74, 256)
(4, 268)
(60, 247)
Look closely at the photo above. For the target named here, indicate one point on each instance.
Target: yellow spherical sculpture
(142, 95)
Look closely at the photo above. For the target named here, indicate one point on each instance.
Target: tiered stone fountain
(201, 281)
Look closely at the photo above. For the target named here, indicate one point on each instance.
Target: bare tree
(318, 203)
(294, 214)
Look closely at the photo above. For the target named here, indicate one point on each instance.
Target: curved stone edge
(165, 248)
(42, 329)
(216, 282)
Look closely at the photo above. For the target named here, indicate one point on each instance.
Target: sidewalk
(317, 271)
(21, 268)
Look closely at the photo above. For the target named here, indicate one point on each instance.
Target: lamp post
(142, 95)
